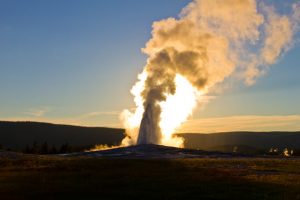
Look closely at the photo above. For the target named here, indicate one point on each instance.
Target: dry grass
(46, 177)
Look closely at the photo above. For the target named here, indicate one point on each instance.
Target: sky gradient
(76, 61)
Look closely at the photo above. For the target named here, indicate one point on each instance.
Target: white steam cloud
(209, 42)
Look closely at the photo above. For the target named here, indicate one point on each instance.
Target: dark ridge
(259, 140)
(16, 135)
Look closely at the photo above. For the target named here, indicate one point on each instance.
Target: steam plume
(210, 41)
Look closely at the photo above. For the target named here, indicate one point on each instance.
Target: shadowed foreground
(46, 177)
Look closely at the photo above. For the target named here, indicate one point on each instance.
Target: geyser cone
(148, 133)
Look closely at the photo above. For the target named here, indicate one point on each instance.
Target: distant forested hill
(258, 140)
(17, 135)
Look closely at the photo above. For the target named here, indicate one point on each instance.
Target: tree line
(43, 148)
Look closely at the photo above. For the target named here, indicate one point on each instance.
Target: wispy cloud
(98, 118)
(242, 123)
(101, 113)
(37, 112)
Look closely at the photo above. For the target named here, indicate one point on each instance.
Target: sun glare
(176, 109)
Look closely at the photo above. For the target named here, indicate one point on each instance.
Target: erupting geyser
(148, 134)
(211, 42)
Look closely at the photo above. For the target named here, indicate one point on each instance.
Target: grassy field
(46, 177)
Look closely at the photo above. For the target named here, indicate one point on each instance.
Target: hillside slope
(260, 140)
(17, 135)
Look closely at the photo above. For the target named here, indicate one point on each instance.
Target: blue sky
(75, 62)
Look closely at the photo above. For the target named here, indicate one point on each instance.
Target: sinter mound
(154, 151)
